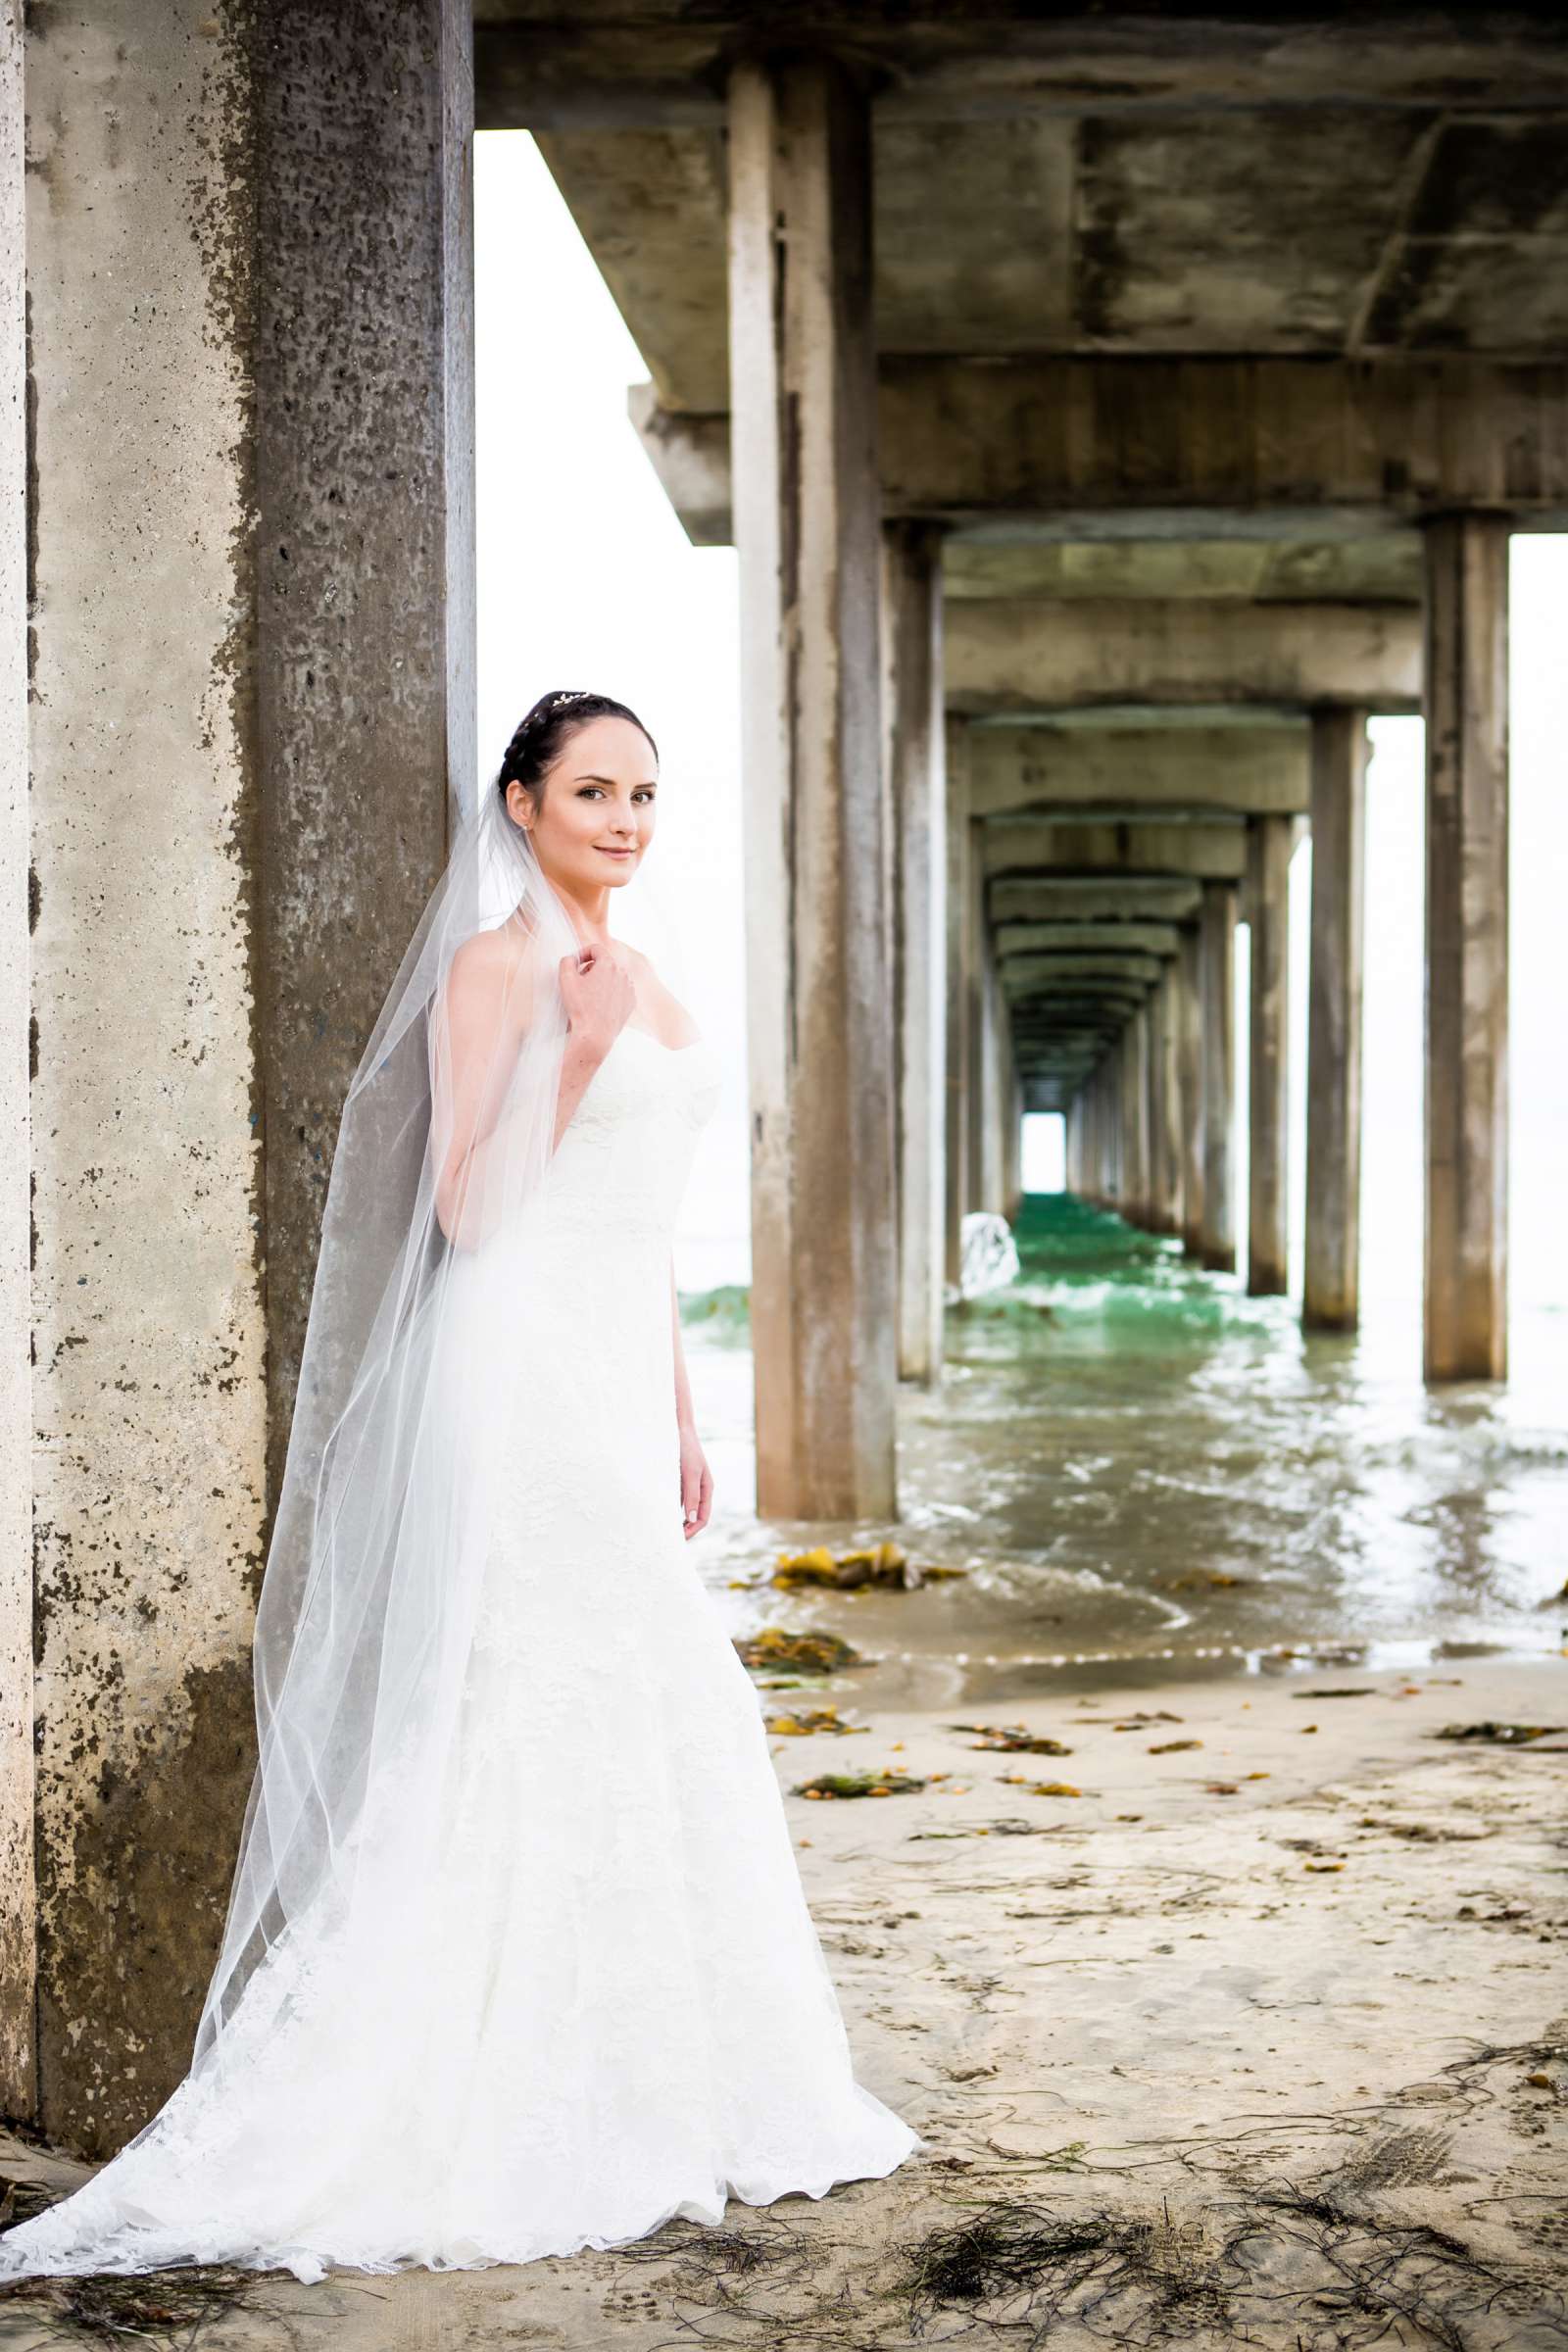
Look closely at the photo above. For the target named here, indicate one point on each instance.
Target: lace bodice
(621, 1168)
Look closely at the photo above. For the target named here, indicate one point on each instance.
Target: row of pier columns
(891, 1047)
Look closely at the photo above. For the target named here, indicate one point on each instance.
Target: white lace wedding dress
(612, 2007)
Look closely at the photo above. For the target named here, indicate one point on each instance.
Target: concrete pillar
(252, 681)
(958, 903)
(1012, 1109)
(1117, 1157)
(1268, 843)
(1190, 1089)
(803, 379)
(18, 1900)
(1166, 1105)
(1467, 947)
(1217, 976)
(989, 1112)
(977, 946)
(916, 799)
(1138, 1119)
(1329, 1299)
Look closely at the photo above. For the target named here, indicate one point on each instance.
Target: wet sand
(1269, 2035)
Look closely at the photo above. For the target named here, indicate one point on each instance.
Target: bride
(516, 1958)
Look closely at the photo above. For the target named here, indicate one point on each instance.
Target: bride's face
(593, 816)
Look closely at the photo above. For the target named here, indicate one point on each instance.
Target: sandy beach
(1261, 2037)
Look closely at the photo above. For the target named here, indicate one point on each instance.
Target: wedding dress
(606, 2004)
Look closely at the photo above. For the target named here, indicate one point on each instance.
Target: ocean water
(1143, 1471)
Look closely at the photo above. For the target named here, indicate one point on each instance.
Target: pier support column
(1467, 947)
(1217, 974)
(251, 687)
(1012, 1106)
(1268, 843)
(18, 1905)
(976, 1092)
(957, 1081)
(803, 384)
(1329, 1299)
(1166, 1103)
(1190, 1089)
(990, 1100)
(917, 813)
(1138, 1123)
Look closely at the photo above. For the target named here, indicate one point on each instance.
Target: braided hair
(542, 734)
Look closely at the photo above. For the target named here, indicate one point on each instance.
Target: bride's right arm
(487, 1005)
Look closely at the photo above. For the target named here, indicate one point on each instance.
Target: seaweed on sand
(1276, 2265)
(775, 1652)
(170, 2307)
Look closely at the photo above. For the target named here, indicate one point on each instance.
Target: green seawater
(1144, 1471)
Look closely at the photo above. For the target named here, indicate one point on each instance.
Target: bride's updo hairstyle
(542, 734)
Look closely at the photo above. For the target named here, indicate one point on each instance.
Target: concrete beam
(653, 68)
(1088, 447)
(1370, 568)
(1022, 975)
(1023, 939)
(1049, 850)
(824, 1285)
(1467, 950)
(1084, 898)
(1013, 658)
(1236, 770)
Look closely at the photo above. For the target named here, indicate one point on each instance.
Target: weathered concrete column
(1011, 1108)
(1329, 1299)
(1217, 975)
(957, 909)
(1467, 947)
(1073, 1143)
(1189, 1088)
(1269, 842)
(1135, 1117)
(1095, 1171)
(1094, 1167)
(1167, 1101)
(917, 812)
(1117, 1127)
(977, 946)
(252, 681)
(803, 379)
(18, 1900)
(990, 1095)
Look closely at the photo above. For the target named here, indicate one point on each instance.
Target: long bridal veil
(380, 1537)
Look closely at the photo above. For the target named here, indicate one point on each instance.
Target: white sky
(587, 579)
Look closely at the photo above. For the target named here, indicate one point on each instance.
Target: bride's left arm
(696, 1479)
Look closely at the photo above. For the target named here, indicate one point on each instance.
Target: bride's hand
(695, 1485)
(598, 992)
